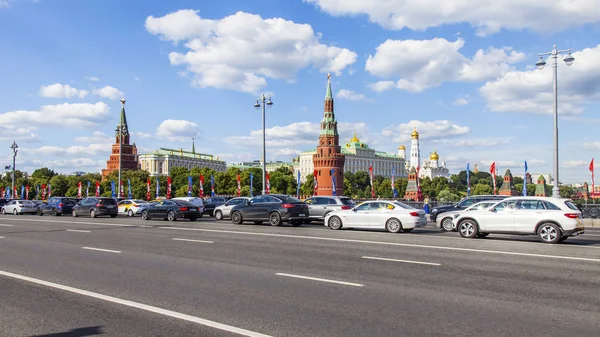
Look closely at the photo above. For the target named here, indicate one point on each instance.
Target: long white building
(161, 161)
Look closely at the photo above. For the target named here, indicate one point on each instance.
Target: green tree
(446, 195)
(481, 189)
(60, 185)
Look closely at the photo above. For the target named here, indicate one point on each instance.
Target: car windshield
(107, 201)
(571, 205)
(289, 200)
(347, 201)
(405, 206)
(140, 201)
(183, 203)
(27, 202)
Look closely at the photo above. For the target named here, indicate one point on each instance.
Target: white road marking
(587, 234)
(102, 250)
(75, 222)
(1, 237)
(144, 226)
(396, 260)
(397, 244)
(5, 225)
(137, 305)
(78, 230)
(320, 279)
(189, 240)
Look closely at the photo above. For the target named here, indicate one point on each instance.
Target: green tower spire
(328, 95)
(123, 121)
(193, 147)
(329, 123)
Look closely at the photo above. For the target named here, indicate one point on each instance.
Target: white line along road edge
(78, 230)
(1, 237)
(320, 279)
(396, 260)
(137, 305)
(5, 225)
(102, 250)
(190, 240)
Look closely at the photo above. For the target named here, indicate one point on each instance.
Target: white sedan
(224, 211)
(131, 207)
(446, 220)
(392, 216)
(19, 207)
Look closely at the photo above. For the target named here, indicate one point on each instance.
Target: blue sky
(463, 76)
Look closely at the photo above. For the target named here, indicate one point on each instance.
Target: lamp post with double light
(264, 102)
(14, 148)
(568, 59)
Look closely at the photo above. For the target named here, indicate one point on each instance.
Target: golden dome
(415, 134)
(354, 139)
(402, 147)
(434, 156)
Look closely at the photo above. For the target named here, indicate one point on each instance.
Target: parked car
(96, 207)
(131, 207)
(446, 220)
(171, 210)
(19, 207)
(211, 203)
(224, 211)
(274, 208)
(57, 206)
(392, 216)
(461, 205)
(551, 219)
(3, 201)
(198, 202)
(319, 207)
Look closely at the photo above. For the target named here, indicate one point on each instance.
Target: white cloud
(137, 78)
(271, 48)
(142, 135)
(382, 86)
(460, 101)
(530, 91)
(96, 137)
(109, 92)
(575, 163)
(10, 132)
(473, 143)
(78, 115)
(92, 78)
(177, 130)
(485, 17)
(58, 90)
(5, 3)
(350, 95)
(76, 150)
(438, 129)
(422, 64)
(510, 163)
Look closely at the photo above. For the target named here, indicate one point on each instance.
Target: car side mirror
(493, 210)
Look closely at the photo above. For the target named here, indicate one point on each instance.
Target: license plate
(192, 209)
(302, 214)
(110, 206)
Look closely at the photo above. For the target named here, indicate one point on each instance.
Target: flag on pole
(97, 188)
(26, 192)
(112, 189)
(315, 182)
(493, 173)
(419, 191)
(268, 184)
(394, 183)
(157, 188)
(525, 181)
(468, 179)
(129, 194)
(593, 183)
(87, 190)
(148, 189)
(121, 188)
(239, 185)
(49, 191)
(201, 189)
(2, 192)
(298, 185)
(22, 191)
(212, 186)
(79, 190)
(168, 187)
(333, 189)
(251, 181)
(37, 191)
(371, 181)
(190, 185)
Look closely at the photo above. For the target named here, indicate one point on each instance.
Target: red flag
(27, 192)
(315, 182)
(371, 180)
(43, 191)
(97, 189)
(592, 170)
(493, 173)
(168, 187)
(79, 189)
(148, 190)
(239, 185)
(268, 184)
(201, 186)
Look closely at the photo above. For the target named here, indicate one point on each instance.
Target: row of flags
(493, 173)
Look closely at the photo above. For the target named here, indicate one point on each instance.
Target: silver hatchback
(320, 206)
(223, 211)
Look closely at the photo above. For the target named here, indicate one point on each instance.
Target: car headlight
(434, 210)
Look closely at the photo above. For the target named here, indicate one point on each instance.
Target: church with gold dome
(432, 168)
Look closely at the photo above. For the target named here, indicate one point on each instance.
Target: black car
(464, 203)
(274, 208)
(211, 203)
(95, 207)
(171, 210)
(57, 206)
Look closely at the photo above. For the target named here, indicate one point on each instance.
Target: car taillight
(287, 206)
(136, 205)
(414, 213)
(61, 205)
(98, 205)
(183, 209)
(572, 215)
(346, 207)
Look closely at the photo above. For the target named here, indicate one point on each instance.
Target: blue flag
(87, 190)
(22, 192)
(468, 179)
(251, 178)
(394, 183)
(298, 185)
(8, 192)
(157, 188)
(129, 189)
(212, 186)
(525, 181)
(112, 188)
(333, 189)
(190, 186)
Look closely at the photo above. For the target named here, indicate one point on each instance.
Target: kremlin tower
(415, 153)
(329, 161)
(129, 160)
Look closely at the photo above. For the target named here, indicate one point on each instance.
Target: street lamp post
(14, 148)
(120, 129)
(540, 65)
(264, 101)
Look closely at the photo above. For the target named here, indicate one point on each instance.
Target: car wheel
(92, 213)
(74, 213)
(130, 213)
(549, 233)
(171, 216)
(275, 219)
(297, 223)
(145, 215)
(199, 216)
(3, 211)
(407, 230)
(15, 212)
(563, 238)
(258, 222)
(39, 212)
(307, 221)
(468, 228)
(54, 213)
(335, 223)
(236, 217)
(447, 224)
(393, 226)
(193, 219)
(219, 215)
(483, 235)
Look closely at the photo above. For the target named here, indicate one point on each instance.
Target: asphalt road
(61, 276)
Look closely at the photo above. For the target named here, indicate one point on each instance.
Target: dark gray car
(319, 206)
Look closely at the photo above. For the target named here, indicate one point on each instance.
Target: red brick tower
(329, 153)
(129, 159)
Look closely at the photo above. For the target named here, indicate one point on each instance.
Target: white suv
(551, 219)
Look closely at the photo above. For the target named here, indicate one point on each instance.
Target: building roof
(328, 94)
(402, 147)
(181, 153)
(415, 134)
(356, 143)
(434, 156)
